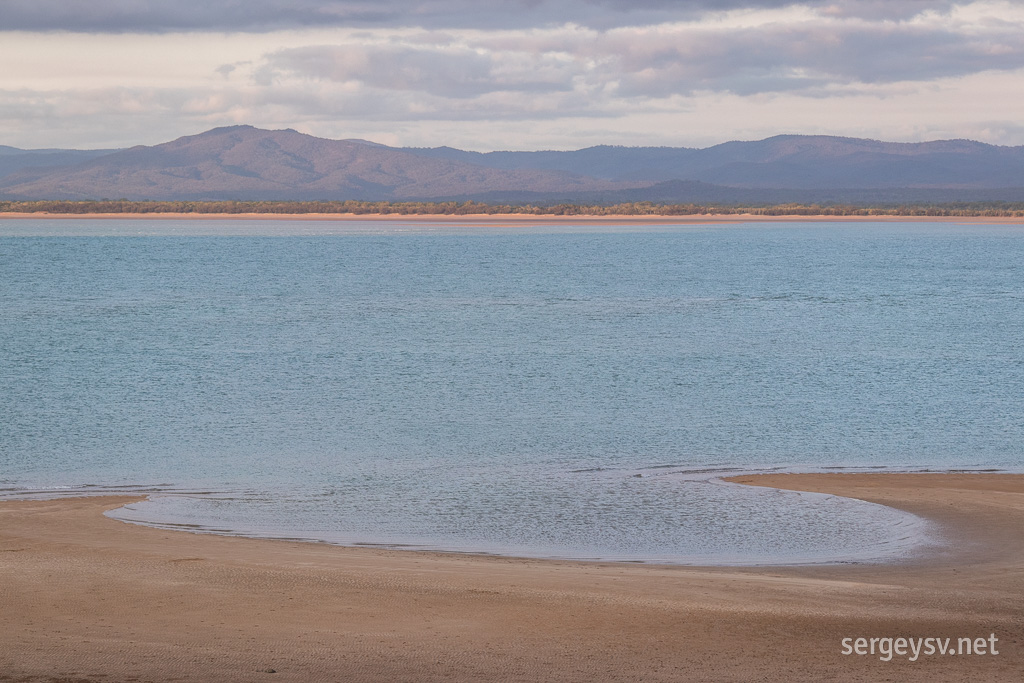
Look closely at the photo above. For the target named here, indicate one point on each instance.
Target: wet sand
(88, 598)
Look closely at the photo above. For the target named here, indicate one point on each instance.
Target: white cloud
(903, 70)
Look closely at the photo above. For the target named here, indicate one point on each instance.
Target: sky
(516, 74)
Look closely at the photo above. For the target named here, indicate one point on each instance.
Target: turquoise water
(564, 391)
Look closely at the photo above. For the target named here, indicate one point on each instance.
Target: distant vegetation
(990, 209)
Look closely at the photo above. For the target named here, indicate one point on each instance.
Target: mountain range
(246, 163)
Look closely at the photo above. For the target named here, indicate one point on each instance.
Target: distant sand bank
(87, 598)
(497, 220)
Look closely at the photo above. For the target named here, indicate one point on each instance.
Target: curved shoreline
(972, 531)
(84, 596)
(887, 535)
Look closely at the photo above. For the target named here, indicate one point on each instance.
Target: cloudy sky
(516, 74)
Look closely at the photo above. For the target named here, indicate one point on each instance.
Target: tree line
(453, 208)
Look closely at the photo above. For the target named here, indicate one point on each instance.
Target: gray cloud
(796, 58)
(655, 62)
(576, 65)
(146, 16)
(444, 71)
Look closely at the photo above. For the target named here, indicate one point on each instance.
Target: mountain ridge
(769, 163)
(247, 163)
(243, 162)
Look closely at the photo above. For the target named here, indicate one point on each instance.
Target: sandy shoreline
(87, 598)
(498, 220)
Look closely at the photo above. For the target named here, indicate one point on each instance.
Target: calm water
(562, 391)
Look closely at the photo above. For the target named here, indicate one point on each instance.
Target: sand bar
(88, 598)
(515, 219)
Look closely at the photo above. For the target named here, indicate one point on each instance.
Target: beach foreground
(87, 598)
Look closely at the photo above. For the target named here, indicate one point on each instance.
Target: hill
(246, 163)
(781, 162)
(242, 162)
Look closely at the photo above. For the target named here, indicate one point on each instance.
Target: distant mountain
(246, 163)
(784, 161)
(695, 192)
(13, 159)
(242, 162)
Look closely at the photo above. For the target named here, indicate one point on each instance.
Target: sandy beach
(88, 598)
(515, 219)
